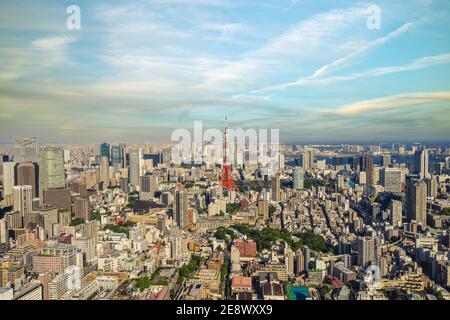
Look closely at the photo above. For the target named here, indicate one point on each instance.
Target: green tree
(232, 208)
(77, 221)
(95, 215)
(143, 283)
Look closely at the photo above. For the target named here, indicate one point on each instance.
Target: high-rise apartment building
(104, 172)
(396, 213)
(417, 201)
(263, 209)
(276, 188)
(307, 159)
(366, 251)
(23, 199)
(366, 165)
(3, 231)
(8, 180)
(299, 262)
(420, 163)
(135, 167)
(298, 178)
(181, 208)
(432, 186)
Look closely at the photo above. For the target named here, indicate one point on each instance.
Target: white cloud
(226, 31)
(393, 102)
(314, 32)
(53, 42)
(341, 63)
(40, 54)
(351, 58)
(417, 64)
(249, 97)
(305, 40)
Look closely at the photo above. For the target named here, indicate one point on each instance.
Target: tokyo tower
(226, 180)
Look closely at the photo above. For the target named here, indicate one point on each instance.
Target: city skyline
(137, 70)
(232, 153)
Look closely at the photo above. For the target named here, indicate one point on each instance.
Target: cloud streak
(417, 64)
(341, 63)
(352, 58)
(394, 102)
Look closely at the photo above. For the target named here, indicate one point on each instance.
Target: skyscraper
(23, 199)
(366, 165)
(299, 262)
(391, 180)
(25, 149)
(117, 156)
(263, 209)
(147, 187)
(8, 180)
(104, 172)
(420, 163)
(27, 174)
(105, 150)
(51, 169)
(135, 167)
(432, 186)
(396, 213)
(307, 159)
(386, 160)
(298, 178)
(276, 189)
(181, 208)
(366, 251)
(417, 201)
(3, 231)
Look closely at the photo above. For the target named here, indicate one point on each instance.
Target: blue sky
(136, 70)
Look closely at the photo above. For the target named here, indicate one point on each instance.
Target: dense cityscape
(122, 221)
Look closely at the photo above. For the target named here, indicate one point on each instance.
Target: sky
(138, 69)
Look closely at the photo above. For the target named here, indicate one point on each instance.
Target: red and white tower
(226, 179)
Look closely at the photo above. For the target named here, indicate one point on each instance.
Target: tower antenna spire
(226, 178)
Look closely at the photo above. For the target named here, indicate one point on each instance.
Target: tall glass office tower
(51, 169)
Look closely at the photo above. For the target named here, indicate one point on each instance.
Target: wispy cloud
(252, 97)
(41, 54)
(351, 59)
(53, 42)
(417, 64)
(341, 63)
(393, 102)
(304, 40)
(227, 31)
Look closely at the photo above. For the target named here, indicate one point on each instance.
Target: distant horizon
(292, 142)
